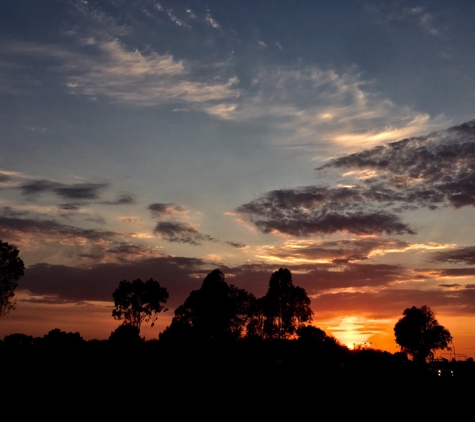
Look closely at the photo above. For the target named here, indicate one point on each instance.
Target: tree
(58, 338)
(419, 334)
(286, 307)
(137, 302)
(125, 334)
(217, 311)
(11, 269)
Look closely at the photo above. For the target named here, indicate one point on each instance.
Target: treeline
(218, 311)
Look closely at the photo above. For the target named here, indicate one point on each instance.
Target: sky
(164, 139)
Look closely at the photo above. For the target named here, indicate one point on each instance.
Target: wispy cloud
(335, 252)
(130, 77)
(307, 104)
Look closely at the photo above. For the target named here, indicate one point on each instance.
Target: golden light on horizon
(348, 331)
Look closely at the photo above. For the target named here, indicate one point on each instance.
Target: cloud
(98, 282)
(5, 178)
(314, 210)
(77, 191)
(461, 255)
(427, 171)
(143, 79)
(166, 210)
(436, 169)
(392, 11)
(181, 232)
(236, 245)
(333, 106)
(390, 302)
(306, 103)
(10, 225)
(171, 15)
(179, 275)
(337, 252)
(121, 200)
(211, 21)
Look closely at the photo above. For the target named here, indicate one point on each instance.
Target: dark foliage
(61, 339)
(137, 302)
(419, 334)
(286, 307)
(125, 334)
(215, 312)
(11, 269)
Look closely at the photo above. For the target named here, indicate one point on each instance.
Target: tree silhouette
(125, 334)
(137, 302)
(286, 307)
(217, 311)
(419, 334)
(58, 338)
(11, 269)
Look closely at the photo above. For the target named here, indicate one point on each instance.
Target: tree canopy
(419, 333)
(137, 302)
(286, 307)
(11, 269)
(217, 311)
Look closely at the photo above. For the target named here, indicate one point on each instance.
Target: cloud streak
(460, 255)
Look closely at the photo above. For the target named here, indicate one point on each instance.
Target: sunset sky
(164, 139)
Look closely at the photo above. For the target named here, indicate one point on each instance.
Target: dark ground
(229, 382)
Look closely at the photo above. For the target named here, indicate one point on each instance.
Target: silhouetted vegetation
(226, 346)
(286, 307)
(215, 312)
(125, 334)
(136, 302)
(11, 269)
(419, 334)
(222, 312)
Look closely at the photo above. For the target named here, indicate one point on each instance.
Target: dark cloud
(457, 272)
(165, 210)
(77, 191)
(389, 302)
(318, 278)
(70, 206)
(4, 178)
(470, 286)
(436, 169)
(39, 186)
(9, 225)
(173, 231)
(462, 255)
(10, 212)
(316, 210)
(97, 283)
(182, 275)
(450, 285)
(236, 245)
(428, 171)
(121, 200)
(119, 252)
(86, 191)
